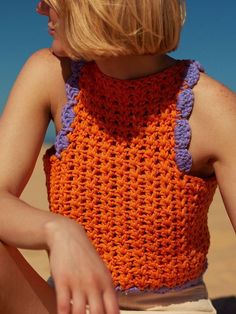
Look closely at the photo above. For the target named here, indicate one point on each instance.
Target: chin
(59, 54)
(58, 51)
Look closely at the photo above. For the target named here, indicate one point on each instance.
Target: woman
(134, 165)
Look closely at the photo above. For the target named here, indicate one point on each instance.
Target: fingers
(96, 305)
(78, 303)
(73, 296)
(103, 303)
(63, 300)
(111, 302)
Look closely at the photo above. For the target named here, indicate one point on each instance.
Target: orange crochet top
(119, 167)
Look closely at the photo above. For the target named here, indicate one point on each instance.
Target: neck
(132, 67)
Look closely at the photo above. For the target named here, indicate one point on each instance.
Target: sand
(221, 274)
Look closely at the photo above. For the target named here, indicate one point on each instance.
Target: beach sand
(221, 274)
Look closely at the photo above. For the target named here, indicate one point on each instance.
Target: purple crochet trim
(163, 290)
(68, 114)
(185, 103)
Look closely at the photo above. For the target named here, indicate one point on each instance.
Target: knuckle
(92, 280)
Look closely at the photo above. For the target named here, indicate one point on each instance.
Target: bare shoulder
(214, 115)
(38, 79)
(50, 75)
(44, 62)
(45, 57)
(215, 93)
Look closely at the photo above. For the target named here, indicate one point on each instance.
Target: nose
(42, 8)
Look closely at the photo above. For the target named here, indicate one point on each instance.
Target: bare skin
(26, 283)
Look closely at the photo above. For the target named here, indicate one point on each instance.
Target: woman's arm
(214, 126)
(22, 129)
(225, 151)
(78, 271)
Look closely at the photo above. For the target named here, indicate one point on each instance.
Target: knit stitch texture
(119, 168)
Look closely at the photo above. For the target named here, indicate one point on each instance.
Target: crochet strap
(185, 103)
(68, 114)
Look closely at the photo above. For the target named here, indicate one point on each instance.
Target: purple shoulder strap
(185, 103)
(68, 114)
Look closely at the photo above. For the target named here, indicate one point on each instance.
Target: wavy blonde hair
(91, 29)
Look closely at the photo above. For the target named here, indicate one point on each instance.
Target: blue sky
(209, 36)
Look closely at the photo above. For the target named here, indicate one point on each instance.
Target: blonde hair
(92, 29)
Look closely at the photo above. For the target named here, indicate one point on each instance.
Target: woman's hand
(81, 278)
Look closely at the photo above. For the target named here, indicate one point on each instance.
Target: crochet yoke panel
(184, 106)
(117, 172)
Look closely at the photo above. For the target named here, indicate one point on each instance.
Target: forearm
(22, 225)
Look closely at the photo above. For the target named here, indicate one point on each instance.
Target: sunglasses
(42, 8)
